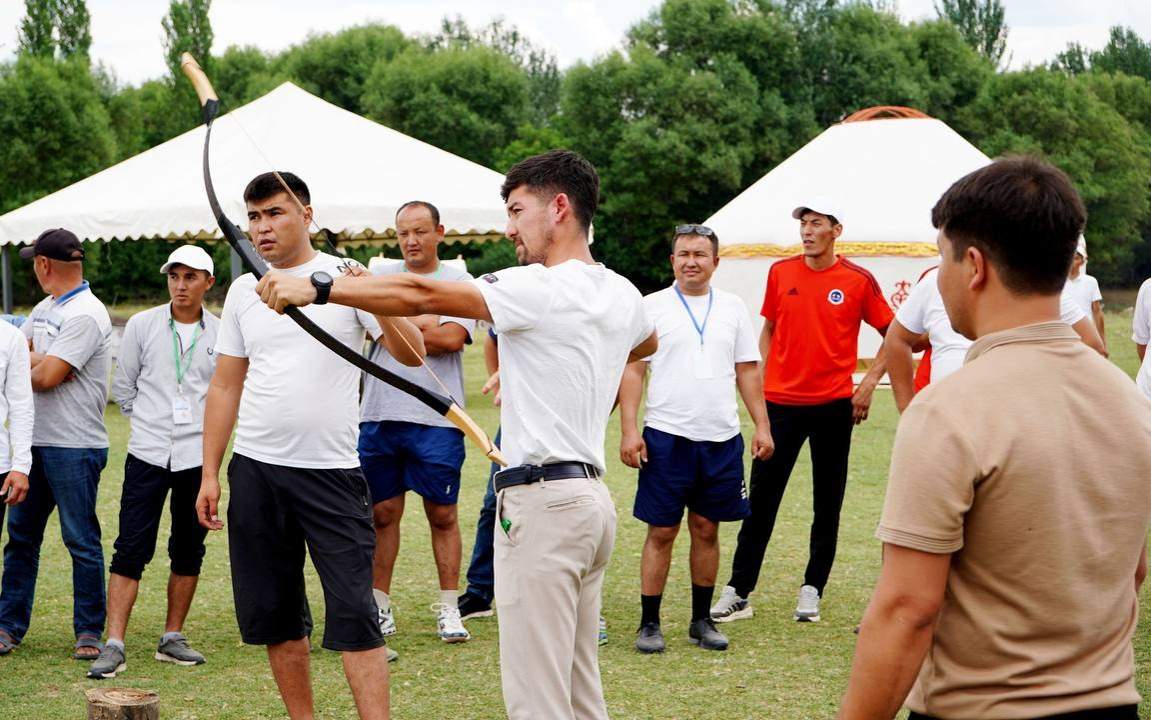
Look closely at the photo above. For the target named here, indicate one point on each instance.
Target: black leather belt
(527, 474)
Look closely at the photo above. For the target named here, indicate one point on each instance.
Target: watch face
(322, 278)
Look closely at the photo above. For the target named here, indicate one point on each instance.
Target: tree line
(702, 98)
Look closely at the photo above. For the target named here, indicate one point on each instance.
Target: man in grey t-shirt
(69, 333)
(405, 446)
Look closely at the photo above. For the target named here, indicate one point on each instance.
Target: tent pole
(6, 277)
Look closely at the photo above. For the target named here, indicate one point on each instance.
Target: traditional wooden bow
(210, 107)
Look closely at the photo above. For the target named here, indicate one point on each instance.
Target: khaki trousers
(552, 545)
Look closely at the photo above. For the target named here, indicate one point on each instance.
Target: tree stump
(122, 704)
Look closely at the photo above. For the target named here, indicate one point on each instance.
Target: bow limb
(210, 107)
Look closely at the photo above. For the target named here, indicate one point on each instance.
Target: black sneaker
(703, 633)
(650, 639)
(473, 607)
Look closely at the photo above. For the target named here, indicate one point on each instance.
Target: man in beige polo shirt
(1011, 567)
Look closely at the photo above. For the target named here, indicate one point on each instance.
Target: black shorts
(1125, 712)
(273, 512)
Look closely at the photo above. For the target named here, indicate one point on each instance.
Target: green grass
(774, 669)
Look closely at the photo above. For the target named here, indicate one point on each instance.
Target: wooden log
(122, 704)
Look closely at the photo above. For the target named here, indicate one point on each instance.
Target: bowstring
(347, 261)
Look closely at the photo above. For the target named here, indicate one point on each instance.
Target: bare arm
(899, 344)
(749, 381)
(491, 355)
(1089, 335)
(1142, 350)
(896, 633)
(765, 339)
(396, 295)
(48, 371)
(861, 400)
(645, 349)
(1097, 315)
(444, 338)
(220, 410)
(402, 339)
(632, 450)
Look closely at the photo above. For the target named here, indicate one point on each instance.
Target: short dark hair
(1023, 214)
(266, 185)
(421, 203)
(558, 171)
(714, 238)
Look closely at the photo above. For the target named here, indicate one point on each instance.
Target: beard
(528, 256)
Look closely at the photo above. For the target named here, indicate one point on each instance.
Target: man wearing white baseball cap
(1084, 289)
(166, 362)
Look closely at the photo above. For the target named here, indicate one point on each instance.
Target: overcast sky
(126, 34)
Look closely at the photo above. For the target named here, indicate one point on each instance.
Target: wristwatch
(323, 283)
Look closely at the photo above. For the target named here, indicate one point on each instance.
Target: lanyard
(177, 356)
(698, 328)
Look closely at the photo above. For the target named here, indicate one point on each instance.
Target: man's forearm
(630, 391)
(402, 339)
(220, 412)
(888, 656)
(750, 385)
(900, 370)
(878, 367)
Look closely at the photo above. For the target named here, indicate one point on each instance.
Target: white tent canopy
(883, 176)
(358, 172)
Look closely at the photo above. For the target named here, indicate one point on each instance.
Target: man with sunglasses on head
(690, 454)
(812, 310)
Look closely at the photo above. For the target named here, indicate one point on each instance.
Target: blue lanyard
(72, 293)
(698, 328)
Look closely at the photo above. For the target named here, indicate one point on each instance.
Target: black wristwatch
(323, 283)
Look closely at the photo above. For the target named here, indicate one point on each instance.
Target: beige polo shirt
(1031, 466)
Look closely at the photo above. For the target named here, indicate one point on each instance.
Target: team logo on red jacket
(835, 297)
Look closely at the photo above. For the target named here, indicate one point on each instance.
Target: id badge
(703, 369)
(181, 410)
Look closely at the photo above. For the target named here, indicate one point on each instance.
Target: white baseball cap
(191, 256)
(1081, 247)
(822, 206)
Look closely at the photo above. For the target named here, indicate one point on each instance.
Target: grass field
(775, 668)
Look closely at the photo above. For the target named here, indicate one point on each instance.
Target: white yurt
(883, 168)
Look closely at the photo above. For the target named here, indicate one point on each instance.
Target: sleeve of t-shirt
(124, 388)
(369, 322)
(21, 413)
(80, 337)
(876, 312)
(746, 341)
(1141, 322)
(912, 314)
(517, 298)
(1069, 310)
(1096, 295)
(229, 338)
(769, 308)
(931, 484)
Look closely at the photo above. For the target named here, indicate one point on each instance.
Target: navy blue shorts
(400, 456)
(705, 477)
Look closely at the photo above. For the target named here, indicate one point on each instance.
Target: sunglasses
(701, 230)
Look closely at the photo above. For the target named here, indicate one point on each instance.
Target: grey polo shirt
(145, 386)
(74, 327)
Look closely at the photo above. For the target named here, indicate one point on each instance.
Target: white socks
(448, 597)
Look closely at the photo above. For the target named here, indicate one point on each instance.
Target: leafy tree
(243, 74)
(468, 101)
(36, 29)
(187, 29)
(539, 64)
(73, 26)
(54, 125)
(981, 22)
(336, 67)
(1073, 61)
(1108, 158)
(1125, 52)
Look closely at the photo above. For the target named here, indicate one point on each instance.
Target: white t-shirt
(692, 390)
(1084, 290)
(1141, 334)
(923, 312)
(565, 335)
(300, 405)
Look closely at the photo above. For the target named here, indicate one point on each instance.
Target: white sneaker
(387, 622)
(451, 627)
(731, 606)
(807, 609)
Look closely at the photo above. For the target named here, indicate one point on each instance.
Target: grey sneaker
(110, 661)
(807, 609)
(176, 651)
(650, 639)
(392, 654)
(703, 633)
(731, 606)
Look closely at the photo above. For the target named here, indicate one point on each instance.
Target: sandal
(7, 644)
(84, 642)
